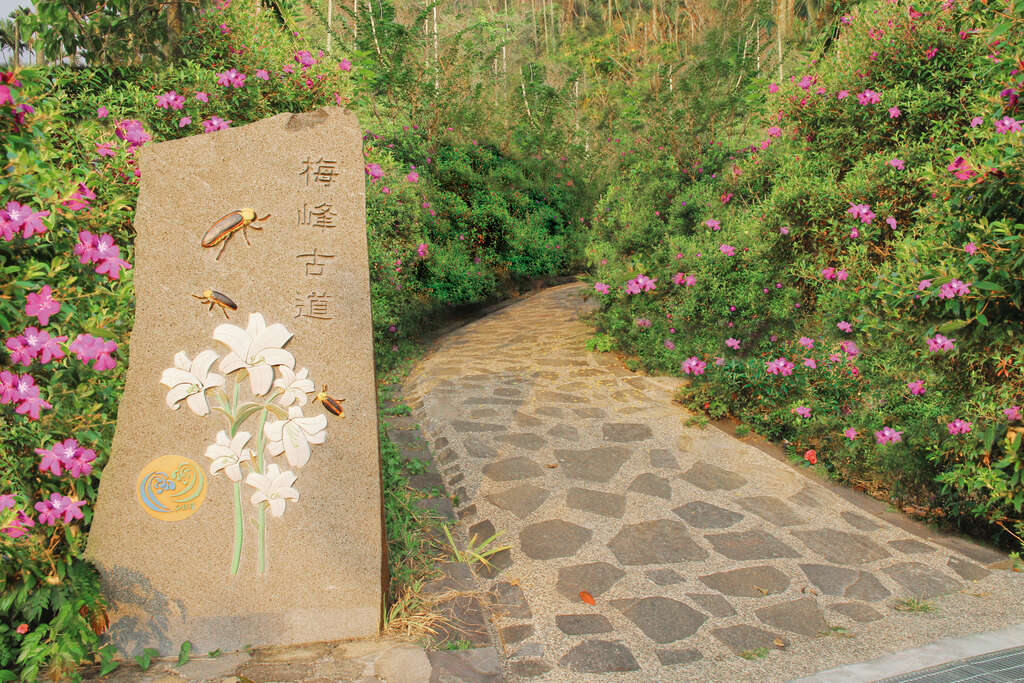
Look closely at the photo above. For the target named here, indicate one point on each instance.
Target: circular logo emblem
(171, 488)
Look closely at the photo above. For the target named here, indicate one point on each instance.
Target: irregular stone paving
(705, 557)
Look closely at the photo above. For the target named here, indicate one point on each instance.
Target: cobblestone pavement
(706, 558)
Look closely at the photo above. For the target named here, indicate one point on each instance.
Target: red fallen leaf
(811, 456)
(587, 598)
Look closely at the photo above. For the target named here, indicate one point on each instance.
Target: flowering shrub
(863, 277)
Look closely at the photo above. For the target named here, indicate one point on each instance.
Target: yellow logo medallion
(171, 488)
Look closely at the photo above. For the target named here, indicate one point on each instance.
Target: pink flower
(184, 121)
(17, 217)
(850, 348)
(842, 275)
(263, 73)
(1007, 124)
(896, 163)
(670, 345)
(374, 171)
(828, 273)
(774, 132)
(80, 198)
(954, 288)
(802, 411)
(844, 326)
(779, 366)
(643, 322)
(105, 149)
(977, 121)
(170, 100)
(713, 224)
(806, 342)
(693, 366)
(894, 112)
(132, 132)
(26, 392)
(304, 58)
(413, 177)
(1012, 413)
(58, 507)
(783, 230)
(231, 79)
(842, 94)
(422, 250)
(87, 347)
(868, 97)
(224, 29)
(733, 343)
(773, 87)
(850, 433)
(640, 283)
(810, 363)
(961, 169)
(102, 113)
(940, 343)
(861, 211)
(726, 197)
(15, 530)
(888, 435)
(215, 123)
(601, 288)
(345, 65)
(923, 285)
(202, 97)
(690, 280)
(727, 250)
(42, 305)
(677, 279)
(971, 248)
(930, 52)
(916, 387)
(891, 221)
(958, 426)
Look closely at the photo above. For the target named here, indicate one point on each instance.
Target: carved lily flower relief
(189, 380)
(274, 488)
(229, 454)
(294, 435)
(257, 348)
(294, 386)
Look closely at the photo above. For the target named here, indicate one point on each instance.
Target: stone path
(705, 557)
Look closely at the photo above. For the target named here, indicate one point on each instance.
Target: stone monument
(242, 501)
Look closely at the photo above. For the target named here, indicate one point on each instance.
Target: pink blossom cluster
(684, 279)
(215, 123)
(304, 58)
(916, 387)
(80, 198)
(17, 527)
(693, 366)
(170, 100)
(868, 97)
(940, 343)
(713, 224)
(89, 348)
(23, 391)
(961, 169)
(35, 343)
(101, 250)
(958, 426)
(643, 323)
(422, 250)
(641, 283)
(954, 288)
(779, 366)
(68, 456)
(831, 273)
(132, 132)
(861, 211)
(18, 218)
(888, 435)
(232, 78)
(601, 288)
(59, 507)
(41, 304)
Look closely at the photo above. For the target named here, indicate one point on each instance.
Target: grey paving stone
(712, 603)
(662, 457)
(558, 397)
(599, 502)
(496, 563)
(513, 469)
(799, 616)
(967, 569)
(663, 620)
(517, 633)
(442, 507)
(707, 516)
(841, 547)
(598, 657)
(659, 541)
(491, 401)
(551, 411)
(427, 481)
(524, 420)
(479, 665)
(712, 477)
(581, 624)
(748, 582)
(651, 485)
(627, 396)
(475, 449)
(744, 638)
(508, 600)
(857, 611)
(468, 511)
(663, 577)
(624, 432)
(508, 391)
(552, 538)
(530, 649)
(589, 412)
(524, 440)
(750, 545)
(671, 657)
(806, 498)
(595, 578)
(845, 582)
(481, 531)
(594, 464)
(861, 522)
(462, 426)
(770, 509)
(405, 437)
(463, 618)
(520, 500)
(921, 581)
(564, 431)
(528, 668)
(483, 412)
(911, 547)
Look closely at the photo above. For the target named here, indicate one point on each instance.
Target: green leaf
(952, 326)
(107, 661)
(988, 286)
(146, 658)
(7, 675)
(186, 648)
(214, 653)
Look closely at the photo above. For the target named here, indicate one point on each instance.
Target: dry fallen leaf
(551, 466)
(778, 642)
(587, 598)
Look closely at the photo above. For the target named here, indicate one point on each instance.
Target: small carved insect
(333, 405)
(226, 226)
(215, 298)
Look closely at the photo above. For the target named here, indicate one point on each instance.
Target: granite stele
(242, 501)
